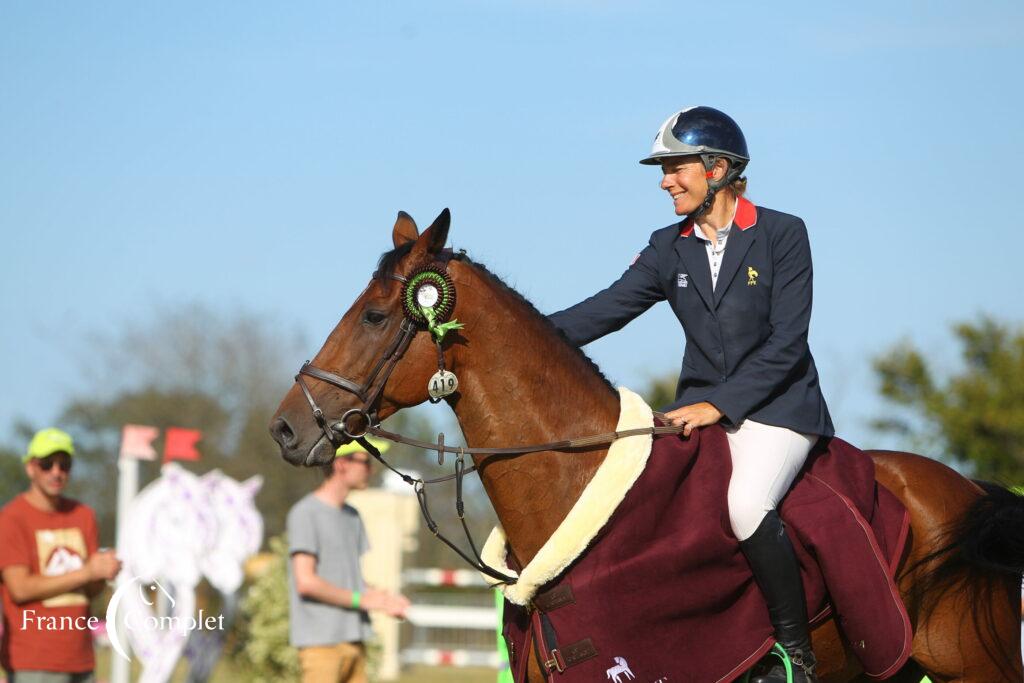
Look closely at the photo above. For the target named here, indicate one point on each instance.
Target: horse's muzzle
(292, 450)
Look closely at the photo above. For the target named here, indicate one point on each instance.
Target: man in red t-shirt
(50, 566)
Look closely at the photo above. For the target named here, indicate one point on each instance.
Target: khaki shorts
(341, 663)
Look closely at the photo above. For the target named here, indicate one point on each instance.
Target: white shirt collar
(724, 232)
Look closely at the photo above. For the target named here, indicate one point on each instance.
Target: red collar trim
(746, 214)
(746, 218)
(686, 228)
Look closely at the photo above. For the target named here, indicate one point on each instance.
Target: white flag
(137, 442)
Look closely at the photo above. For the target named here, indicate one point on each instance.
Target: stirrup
(779, 652)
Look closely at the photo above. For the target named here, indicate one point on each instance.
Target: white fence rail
(452, 620)
(443, 577)
(434, 657)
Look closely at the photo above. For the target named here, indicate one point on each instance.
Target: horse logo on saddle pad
(621, 667)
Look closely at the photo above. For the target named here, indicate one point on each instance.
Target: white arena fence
(452, 621)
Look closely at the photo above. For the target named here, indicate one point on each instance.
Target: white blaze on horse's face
(355, 351)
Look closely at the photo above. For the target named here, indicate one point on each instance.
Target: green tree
(261, 645)
(96, 426)
(975, 415)
(12, 478)
(193, 366)
(12, 470)
(661, 391)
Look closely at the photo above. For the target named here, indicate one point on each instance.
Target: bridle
(370, 391)
(364, 392)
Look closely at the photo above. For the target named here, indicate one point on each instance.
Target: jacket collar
(686, 227)
(746, 214)
(746, 218)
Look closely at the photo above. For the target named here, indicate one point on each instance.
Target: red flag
(181, 444)
(137, 442)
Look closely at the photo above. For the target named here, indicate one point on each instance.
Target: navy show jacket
(746, 339)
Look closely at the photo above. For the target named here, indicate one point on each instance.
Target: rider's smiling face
(685, 180)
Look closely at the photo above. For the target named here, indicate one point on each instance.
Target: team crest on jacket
(751, 276)
(683, 280)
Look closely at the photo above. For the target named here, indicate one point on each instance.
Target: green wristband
(356, 596)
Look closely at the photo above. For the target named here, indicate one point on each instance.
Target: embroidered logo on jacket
(682, 280)
(621, 667)
(751, 276)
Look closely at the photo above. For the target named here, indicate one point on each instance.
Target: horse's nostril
(282, 432)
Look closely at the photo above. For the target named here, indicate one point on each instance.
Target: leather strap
(546, 650)
(552, 658)
(564, 445)
(331, 378)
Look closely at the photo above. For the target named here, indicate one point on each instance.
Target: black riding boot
(777, 573)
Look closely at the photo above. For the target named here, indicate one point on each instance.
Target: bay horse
(521, 382)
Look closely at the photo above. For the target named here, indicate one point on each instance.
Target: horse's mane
(389, 260)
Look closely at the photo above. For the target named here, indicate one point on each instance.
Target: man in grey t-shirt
(329, 599)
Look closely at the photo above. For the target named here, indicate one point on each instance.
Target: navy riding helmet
(704, 132)
(707, 133)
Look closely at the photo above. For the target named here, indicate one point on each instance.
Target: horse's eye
(374, 317)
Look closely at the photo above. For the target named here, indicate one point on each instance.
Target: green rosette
(434, 318)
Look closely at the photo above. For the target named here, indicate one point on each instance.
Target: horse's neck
(521, 385)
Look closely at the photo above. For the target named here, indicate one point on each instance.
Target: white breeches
(765, 461)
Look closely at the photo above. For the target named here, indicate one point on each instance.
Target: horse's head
(239, 528)
(172, 509)
(379, 358)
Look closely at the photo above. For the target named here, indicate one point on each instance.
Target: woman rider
(738, 277)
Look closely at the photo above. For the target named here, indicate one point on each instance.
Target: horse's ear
(405, 230)
(433, 239)
(171, 470)
(252, 485)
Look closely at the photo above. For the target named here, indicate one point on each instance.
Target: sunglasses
(62, 461)
(360, 461)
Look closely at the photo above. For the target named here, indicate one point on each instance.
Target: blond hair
(739, 186)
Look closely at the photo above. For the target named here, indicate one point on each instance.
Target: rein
(564, 445)
(419, 485)
(369, 394)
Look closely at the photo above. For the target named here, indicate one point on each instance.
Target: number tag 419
(442, 384)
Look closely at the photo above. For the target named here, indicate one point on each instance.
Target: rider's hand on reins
(696, 415)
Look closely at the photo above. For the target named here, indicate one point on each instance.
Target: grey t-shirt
(336, 537)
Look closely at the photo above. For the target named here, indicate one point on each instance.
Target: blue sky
(254, 155)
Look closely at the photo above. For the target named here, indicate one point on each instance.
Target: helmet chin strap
(713, 187)
(705, 205)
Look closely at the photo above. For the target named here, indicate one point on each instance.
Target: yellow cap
(353, 447)
(47, 442)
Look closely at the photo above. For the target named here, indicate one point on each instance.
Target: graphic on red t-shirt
(61, 551)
